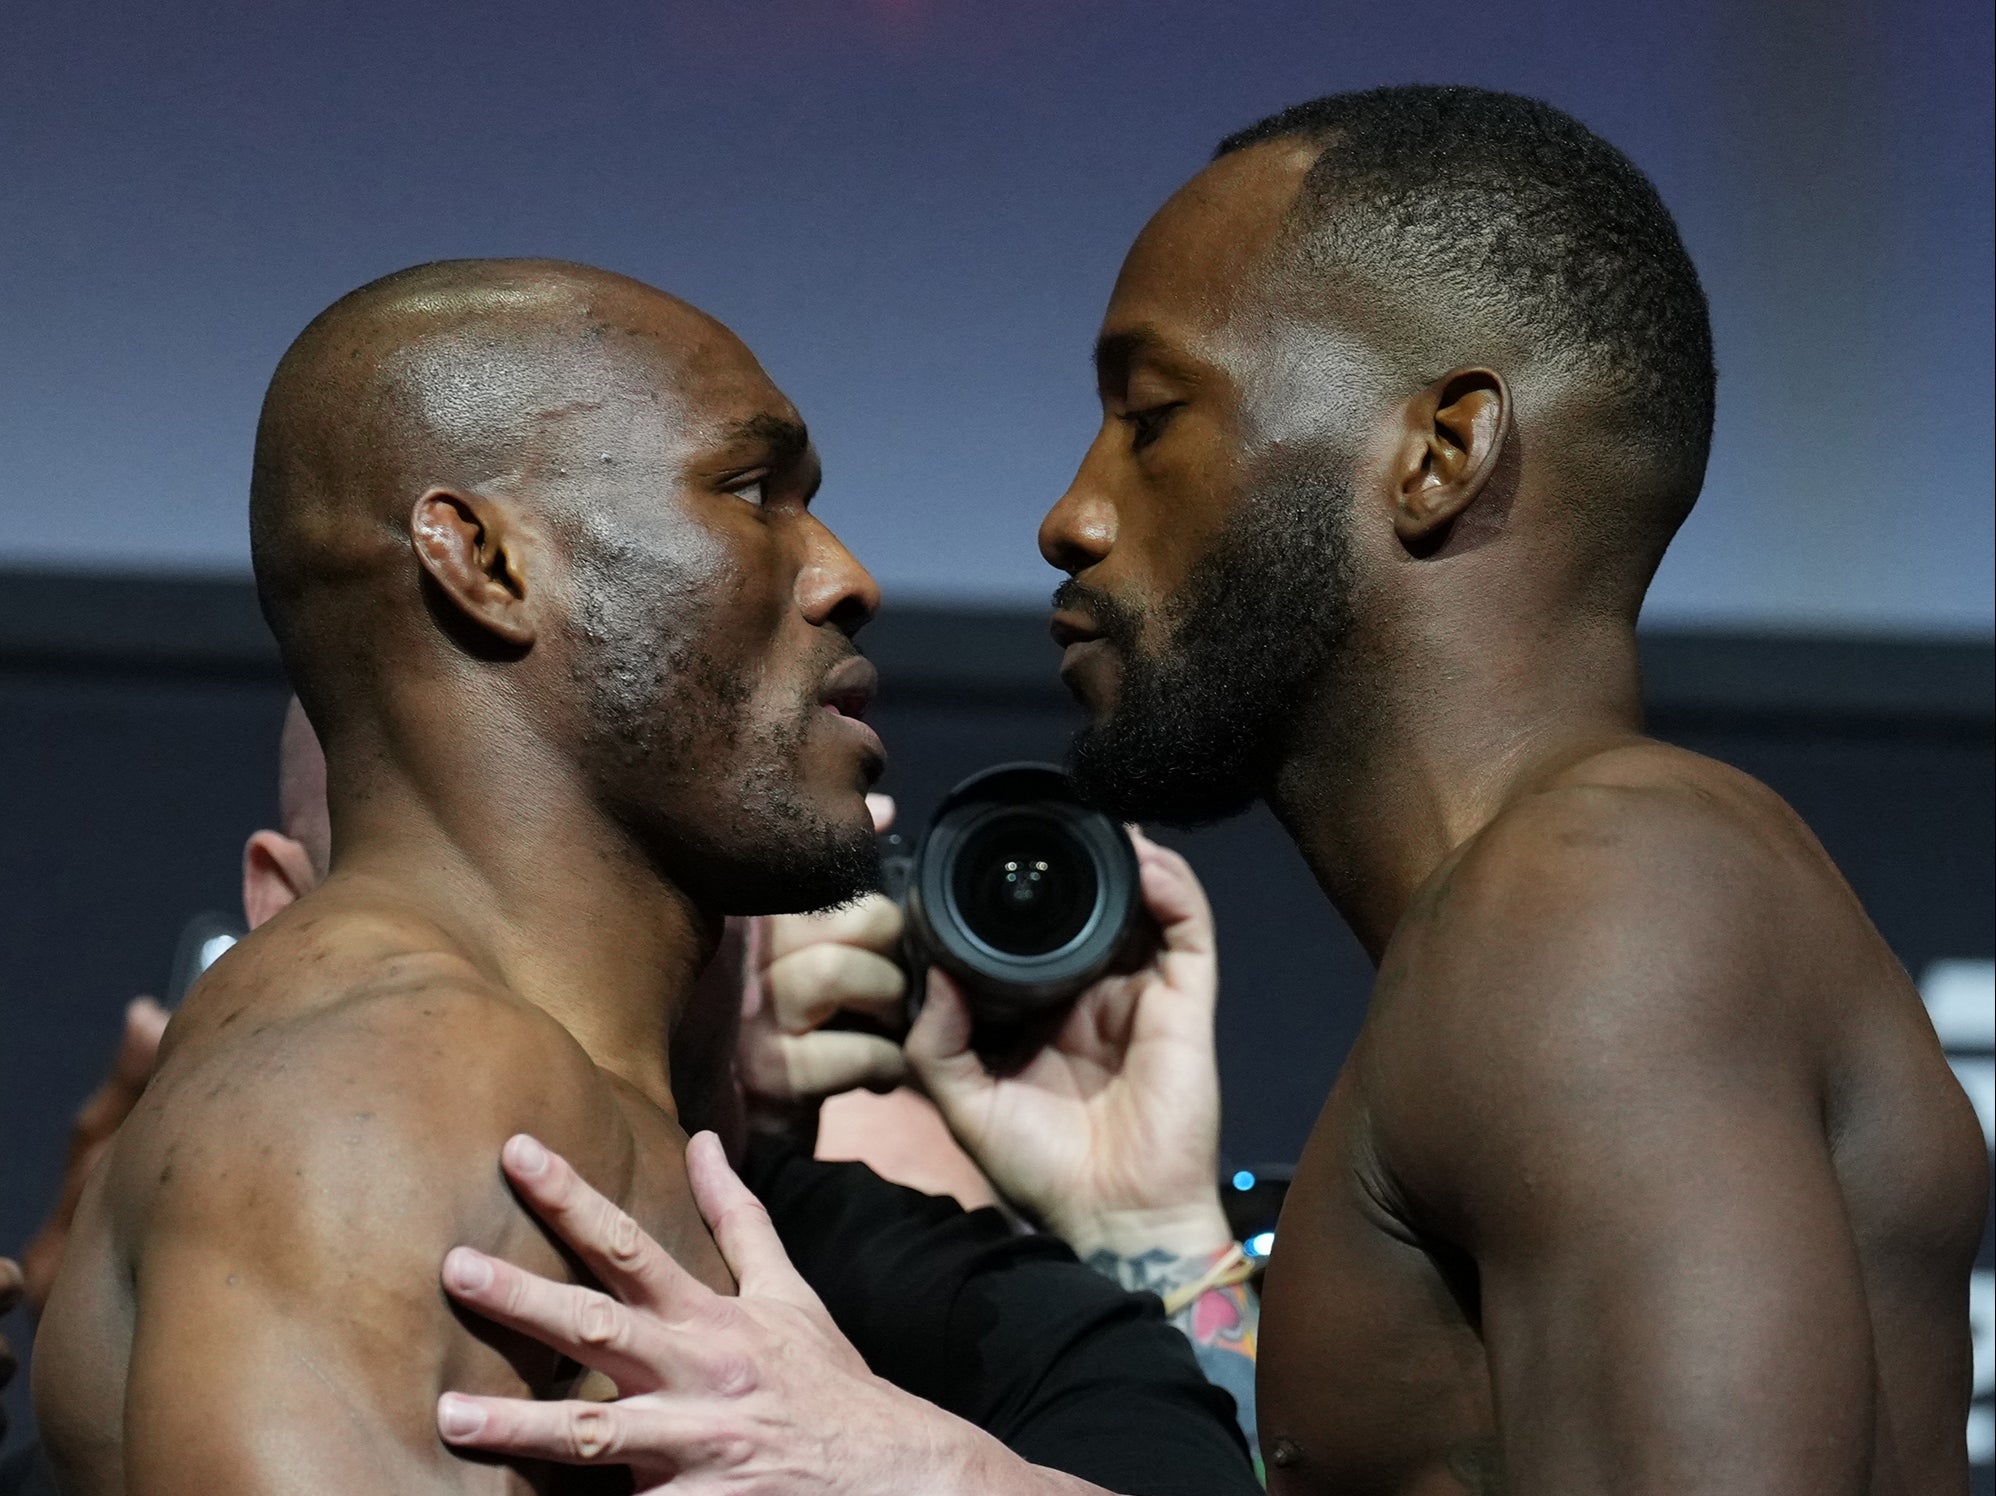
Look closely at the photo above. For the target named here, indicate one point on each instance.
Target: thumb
(741, 1226)
(881, 808)
(938, 1044)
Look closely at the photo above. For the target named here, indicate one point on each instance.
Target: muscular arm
(289, 1332)
(1596, 1085)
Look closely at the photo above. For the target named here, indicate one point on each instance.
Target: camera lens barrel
(1021, 892)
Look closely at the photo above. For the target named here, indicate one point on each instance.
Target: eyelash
(1148, 425)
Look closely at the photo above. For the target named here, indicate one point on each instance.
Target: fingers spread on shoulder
(638, 1432)
(630, 1347)
(613, 1246)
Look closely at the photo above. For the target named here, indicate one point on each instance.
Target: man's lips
(849, 687)
(847, 694)
(1068, 627)
(1087, 660)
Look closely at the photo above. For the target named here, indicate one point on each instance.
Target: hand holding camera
(1109, 1133)
(1028, 909)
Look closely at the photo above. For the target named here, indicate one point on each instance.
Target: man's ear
(277, 872)
(471, 546)
(1456, 430)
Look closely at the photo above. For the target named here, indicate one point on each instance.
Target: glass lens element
(1024, 885)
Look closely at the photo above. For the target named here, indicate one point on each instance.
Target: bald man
(535, 543)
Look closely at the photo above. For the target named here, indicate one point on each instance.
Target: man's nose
(832, 587)
(1080, 530)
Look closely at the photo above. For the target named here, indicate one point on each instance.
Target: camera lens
(1024, 886)
(1021, 892)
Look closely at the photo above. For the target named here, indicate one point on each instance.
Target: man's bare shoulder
(1645, 856)
(1645, 919)
(347, 1060)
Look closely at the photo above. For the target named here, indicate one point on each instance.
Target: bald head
(525, 527)
(529, 375)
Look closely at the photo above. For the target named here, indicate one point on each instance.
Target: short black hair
(1533, 222)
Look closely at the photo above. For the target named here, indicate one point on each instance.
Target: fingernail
(458, 1417)
(526, 1156)
(466, 1270)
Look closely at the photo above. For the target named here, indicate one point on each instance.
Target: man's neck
(547, 895)
(1394, 772)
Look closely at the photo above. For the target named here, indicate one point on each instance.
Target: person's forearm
(1222, 1320)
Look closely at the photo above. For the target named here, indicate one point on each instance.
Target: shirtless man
(1646, 1173)
(535, 543)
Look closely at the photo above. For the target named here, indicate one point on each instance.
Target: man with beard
(535, 541)
(1646, 1172)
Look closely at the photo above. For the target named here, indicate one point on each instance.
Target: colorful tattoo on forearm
(1222, 1322)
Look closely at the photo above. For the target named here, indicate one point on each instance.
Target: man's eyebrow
(1116, 351)
(786, 440)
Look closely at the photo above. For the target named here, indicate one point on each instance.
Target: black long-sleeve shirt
(1010, 1332)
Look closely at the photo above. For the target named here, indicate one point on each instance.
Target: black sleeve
(25, 1473)
(1007, 1331)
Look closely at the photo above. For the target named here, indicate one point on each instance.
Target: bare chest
(1371, 1375)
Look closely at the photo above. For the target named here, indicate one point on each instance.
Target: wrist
(1183, 1231)
(956, 1458)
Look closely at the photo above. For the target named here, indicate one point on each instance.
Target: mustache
(1116, 621)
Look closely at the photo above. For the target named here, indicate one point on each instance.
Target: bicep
(1671, 1300)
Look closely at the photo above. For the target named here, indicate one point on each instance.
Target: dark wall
(138, 731)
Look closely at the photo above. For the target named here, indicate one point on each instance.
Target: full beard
(1200, 727)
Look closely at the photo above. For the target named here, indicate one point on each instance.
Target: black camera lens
(1021, 892)
(1024, 886)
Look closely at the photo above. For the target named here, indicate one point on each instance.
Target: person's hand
(97, 1122)
(1110, 1134)
(805, 969)
(11, 1289)
(750, 1396)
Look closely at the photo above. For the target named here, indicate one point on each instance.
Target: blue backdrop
(913, 210)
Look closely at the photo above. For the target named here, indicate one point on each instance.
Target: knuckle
(598, 1320)
(592, 1430)
(734, 1375)
(624, 1241)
